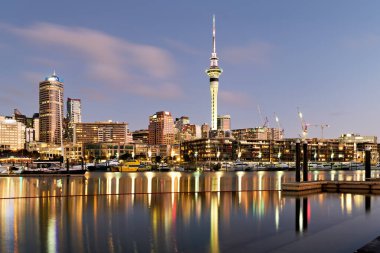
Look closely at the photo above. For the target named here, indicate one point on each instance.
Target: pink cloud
(139, 69)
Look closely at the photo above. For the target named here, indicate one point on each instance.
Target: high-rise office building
(36, 126)
(51, 109)
(74, 111)
(161, 129)
(224, 122)
(74, 115)
(214, 72)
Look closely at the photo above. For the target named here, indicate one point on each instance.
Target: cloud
(119, 64)
(234, 98)
(256, 53)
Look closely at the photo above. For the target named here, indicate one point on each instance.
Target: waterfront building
(49, 151)
(141, 136)
(257, 133)
(214, 72)
(224, 122)
(12, 134)
(100, 132)
(161, 129)
(206, 149)
(361, 143)
(106, 151)
(74, 152)
(319, 150)
(51, 109)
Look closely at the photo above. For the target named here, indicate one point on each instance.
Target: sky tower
(214, 72)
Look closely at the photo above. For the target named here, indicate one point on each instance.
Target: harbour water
(182, 212)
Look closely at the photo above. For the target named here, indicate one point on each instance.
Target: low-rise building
(101, 132)
(12, 133)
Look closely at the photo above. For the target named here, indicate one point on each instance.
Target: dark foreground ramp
(371, 247)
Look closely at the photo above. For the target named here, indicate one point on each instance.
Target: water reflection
(156, 182)
(196, 212)
(302, 214)
(167, 224)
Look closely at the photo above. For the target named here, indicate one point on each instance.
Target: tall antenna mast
(213, 35)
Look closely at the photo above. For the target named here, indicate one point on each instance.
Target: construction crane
(280, 130)
(322, 126)
(304, 125)
(265, 121)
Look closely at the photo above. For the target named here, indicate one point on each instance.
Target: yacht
(240, 166)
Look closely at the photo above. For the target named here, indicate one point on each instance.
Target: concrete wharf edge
(370, 186)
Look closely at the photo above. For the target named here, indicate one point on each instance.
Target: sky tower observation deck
(214, 72)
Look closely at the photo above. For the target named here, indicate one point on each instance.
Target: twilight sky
(128, 59)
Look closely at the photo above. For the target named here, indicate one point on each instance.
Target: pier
(370, 186)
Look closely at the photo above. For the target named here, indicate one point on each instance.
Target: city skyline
(126, 66)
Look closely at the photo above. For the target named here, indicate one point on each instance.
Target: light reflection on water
(155, 182)
(179, 212)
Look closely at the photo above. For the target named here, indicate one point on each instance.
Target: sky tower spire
(213, 35)
(214, 72)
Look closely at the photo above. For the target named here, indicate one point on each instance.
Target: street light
(218, 155)
(196, 161)
(150, 155)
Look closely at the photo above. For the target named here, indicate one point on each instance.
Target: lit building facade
(51, 110)
(267, 151)
(161, 129)
(12, 134)
(258, 133)
(100, 132)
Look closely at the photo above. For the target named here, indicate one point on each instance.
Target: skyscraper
(74, 111)
(214, 72)
(161, 129)
(51, 109)
(74, 115)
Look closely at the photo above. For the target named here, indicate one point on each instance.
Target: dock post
(67, 164)
(367, 164)
(298, 161)
(305, 161)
